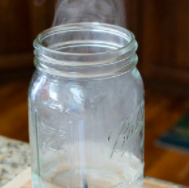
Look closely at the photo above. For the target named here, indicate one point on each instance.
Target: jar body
(87, 132)
(86, 126)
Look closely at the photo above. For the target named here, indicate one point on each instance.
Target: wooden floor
(162, 111)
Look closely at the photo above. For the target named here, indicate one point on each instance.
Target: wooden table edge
(23, 180)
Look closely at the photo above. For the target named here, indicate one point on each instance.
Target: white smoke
(74, 11)
(104, 11)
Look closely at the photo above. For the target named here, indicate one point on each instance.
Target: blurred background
(162, 31)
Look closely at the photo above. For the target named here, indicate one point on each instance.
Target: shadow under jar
(86, 108)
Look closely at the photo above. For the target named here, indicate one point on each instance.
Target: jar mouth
(83, 44)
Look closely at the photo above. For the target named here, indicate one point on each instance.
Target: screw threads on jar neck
(85, 50)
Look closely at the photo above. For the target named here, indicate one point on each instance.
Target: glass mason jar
(86, 108)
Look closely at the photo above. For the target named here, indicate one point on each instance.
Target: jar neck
(85, 50)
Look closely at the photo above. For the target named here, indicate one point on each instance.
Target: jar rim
(50, 55)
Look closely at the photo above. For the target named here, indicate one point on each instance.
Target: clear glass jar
(86, 108)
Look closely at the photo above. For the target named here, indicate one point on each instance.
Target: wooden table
(24, 181)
